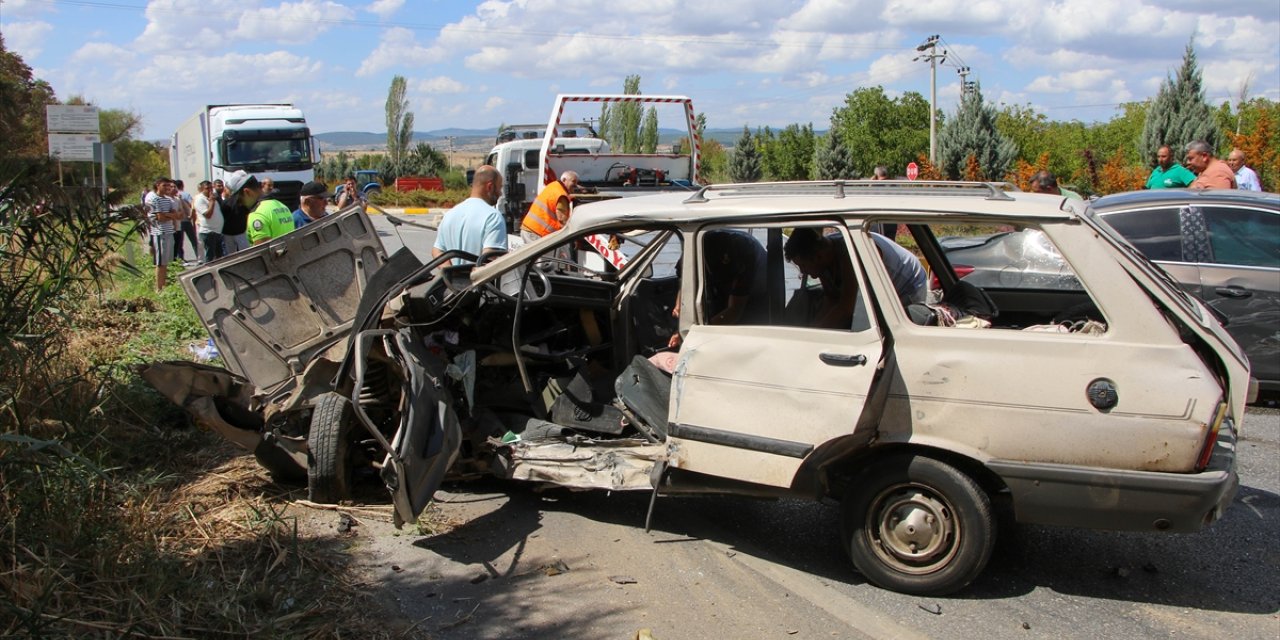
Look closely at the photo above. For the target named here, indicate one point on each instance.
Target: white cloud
(399, 47)
(1068, 81)
(27, 39)
(199, 24)
(888, 69)
(24, 9)
(494, 103)
(437, 85)
(230, 72)
(103, 53)
(384, 8)
(290, 22)
(948, 12)
(1223, 78)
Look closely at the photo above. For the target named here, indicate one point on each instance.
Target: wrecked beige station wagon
(1113, 405)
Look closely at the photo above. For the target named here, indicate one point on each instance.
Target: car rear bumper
(1119, 500)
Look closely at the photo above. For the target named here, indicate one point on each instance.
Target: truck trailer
(266, 140)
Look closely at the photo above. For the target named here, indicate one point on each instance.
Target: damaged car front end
(341, 361)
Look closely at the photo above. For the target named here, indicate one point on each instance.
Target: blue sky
(754, 62)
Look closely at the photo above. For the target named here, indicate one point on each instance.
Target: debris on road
(935, 609)
(555, 568)
(623, 579)
(345, 522)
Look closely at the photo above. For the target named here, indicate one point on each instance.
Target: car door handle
(1238, 293)
(843, 360)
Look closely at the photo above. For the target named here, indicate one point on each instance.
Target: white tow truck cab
(530, 156)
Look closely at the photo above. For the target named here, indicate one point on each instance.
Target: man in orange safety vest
(550, 210)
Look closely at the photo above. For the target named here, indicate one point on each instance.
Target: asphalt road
(579, 565)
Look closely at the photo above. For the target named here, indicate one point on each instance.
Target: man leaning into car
(1211, 173)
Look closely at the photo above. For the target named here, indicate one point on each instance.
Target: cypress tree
(744, 162)
(1179, 113)
(972, 132)
(649, 131)
(832, 160)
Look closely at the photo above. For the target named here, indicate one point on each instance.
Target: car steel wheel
(912, 528)
(918, 525)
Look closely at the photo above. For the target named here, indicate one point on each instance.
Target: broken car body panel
(277, 306)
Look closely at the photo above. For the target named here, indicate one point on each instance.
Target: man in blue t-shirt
(475, 226)
(313, 199)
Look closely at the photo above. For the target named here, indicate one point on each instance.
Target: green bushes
(117, 518)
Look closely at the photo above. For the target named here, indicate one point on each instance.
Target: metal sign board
(72, 146)
(913, 171)
(71, 118)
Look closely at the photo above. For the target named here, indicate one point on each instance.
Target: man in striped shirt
(163, 214)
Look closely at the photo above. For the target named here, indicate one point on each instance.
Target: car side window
(1155, 232)
(1245, 237)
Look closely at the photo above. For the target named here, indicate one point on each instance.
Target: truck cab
(267, 140)
(531, 156)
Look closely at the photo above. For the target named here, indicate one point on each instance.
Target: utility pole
(965, 85)
(931, 45)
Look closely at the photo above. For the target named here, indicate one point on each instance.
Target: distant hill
(439, 138)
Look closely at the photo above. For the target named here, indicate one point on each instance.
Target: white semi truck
(266, 140)
(530, 157)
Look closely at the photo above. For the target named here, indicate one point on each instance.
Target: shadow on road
(1232, 566)
(504, 594)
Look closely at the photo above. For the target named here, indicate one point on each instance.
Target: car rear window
(1245, 237)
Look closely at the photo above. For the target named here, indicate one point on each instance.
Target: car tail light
(1211, 438)
(961, 270)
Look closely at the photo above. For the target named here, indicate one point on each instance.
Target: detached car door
(750, 403)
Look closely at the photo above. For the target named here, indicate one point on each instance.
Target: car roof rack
(842, 188)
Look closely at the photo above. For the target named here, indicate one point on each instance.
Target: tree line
(1012, 142)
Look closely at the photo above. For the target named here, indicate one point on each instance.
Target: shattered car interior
(627, 353)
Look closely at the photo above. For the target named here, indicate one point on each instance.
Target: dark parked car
(1222, 246)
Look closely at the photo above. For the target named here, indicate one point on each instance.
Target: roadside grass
(118, 518)
(420, 198)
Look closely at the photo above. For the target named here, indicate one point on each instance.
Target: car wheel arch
(838, 473)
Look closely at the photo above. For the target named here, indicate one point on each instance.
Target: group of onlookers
(1203, 170)
(223, 218)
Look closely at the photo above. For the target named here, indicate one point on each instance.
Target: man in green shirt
(267, 218)
(1169, 174)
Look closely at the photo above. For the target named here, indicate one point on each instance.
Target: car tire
(329, 470)
(916, 525)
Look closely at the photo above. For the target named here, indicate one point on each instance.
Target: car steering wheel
(570, 264)
(507, 285)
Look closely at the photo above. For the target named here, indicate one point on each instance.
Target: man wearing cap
(313, 204)
(267, 218)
